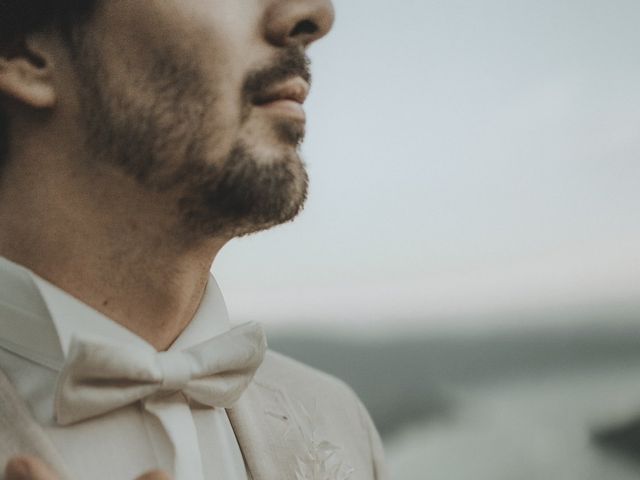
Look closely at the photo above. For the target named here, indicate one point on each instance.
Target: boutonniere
(319, 459)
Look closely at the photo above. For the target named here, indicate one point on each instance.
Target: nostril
(305, 27)
(296, 22)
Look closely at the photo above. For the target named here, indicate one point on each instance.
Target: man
(138, 138)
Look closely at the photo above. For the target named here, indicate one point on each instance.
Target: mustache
(290, 63)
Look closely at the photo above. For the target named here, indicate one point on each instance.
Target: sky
(468, 159)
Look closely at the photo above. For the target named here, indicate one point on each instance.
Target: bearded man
(136, 139)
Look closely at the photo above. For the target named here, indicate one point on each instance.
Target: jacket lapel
(267, 433)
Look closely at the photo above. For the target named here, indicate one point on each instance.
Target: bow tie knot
(175, 371)
(99, 377)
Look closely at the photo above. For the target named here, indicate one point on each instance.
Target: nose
(298, 22)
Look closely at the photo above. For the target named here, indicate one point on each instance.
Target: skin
(75, 217)
(31, 468)
(137, 244)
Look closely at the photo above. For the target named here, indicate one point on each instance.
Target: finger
(28, 468)
(154, 475)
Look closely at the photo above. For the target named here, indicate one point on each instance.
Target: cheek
(169, 43)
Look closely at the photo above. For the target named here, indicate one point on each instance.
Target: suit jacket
(290, 420)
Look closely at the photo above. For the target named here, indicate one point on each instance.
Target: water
(527, 429)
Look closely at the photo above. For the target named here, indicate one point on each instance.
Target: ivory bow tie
(100, 377)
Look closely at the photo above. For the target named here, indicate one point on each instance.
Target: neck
(118, 252)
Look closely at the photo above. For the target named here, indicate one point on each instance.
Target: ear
(26, 73)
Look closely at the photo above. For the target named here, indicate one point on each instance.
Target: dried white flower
(320, 459)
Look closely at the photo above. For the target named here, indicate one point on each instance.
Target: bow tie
(100, 377)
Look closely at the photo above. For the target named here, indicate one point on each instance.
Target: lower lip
(289, 108)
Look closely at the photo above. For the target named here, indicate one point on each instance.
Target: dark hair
(19, 18)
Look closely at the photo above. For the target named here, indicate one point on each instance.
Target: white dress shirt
(37, 323)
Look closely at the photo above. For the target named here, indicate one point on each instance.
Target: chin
(269, 141)
(251, 191)
(290, 132)
(241, 227)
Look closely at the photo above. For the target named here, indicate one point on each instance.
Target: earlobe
(27, 78)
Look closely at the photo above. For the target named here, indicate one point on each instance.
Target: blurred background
(469, 258)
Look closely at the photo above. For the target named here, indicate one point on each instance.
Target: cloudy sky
(466, 157)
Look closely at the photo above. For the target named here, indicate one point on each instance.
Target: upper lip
(296, 89)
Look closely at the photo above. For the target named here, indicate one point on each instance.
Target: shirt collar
(24, 326)
(38, 320)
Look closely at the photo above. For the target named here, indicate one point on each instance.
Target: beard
(159, 128)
